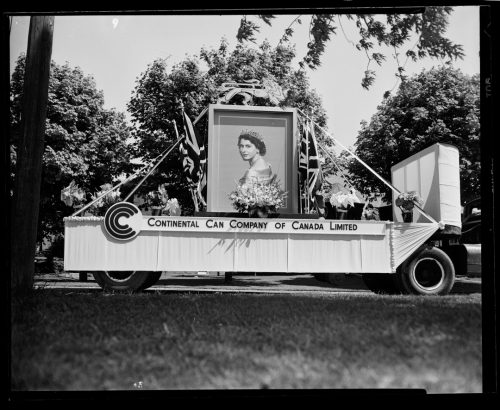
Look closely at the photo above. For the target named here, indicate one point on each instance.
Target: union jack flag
(192, 149)
(309, 164)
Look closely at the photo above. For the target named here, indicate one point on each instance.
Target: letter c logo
(114, 224)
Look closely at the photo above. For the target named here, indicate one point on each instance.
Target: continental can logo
(123, 221)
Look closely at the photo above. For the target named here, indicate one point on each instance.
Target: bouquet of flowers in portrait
(258, 194)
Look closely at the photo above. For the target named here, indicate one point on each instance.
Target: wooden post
(26, 198)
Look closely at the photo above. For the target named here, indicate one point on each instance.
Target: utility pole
(26, 198)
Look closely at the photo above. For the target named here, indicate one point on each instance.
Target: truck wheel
(123, 281)
(322, 277)
(336, 279)
(429, 271)
(151, 280)
(382, 283)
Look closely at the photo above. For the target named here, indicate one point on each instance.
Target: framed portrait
(229, 163)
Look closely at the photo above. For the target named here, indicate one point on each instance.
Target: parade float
(128, 250)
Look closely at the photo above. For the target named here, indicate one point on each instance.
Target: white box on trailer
(434, 173)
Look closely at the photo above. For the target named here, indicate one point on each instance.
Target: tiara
(252, 133)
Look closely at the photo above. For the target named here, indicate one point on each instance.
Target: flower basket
(341, 213)
(342, 201)
(156, 210)
(259, 212)
(100, 207)
(406, 202)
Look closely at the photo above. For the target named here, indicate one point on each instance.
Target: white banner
(262, 225)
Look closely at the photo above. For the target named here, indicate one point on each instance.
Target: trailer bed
(166, 243)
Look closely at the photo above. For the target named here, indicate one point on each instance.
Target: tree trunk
(26, 198)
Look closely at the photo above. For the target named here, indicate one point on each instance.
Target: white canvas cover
(373, 247)
(407, 238)
(434, 173)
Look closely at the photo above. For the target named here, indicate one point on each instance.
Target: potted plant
(157, 199)
(406, 202)
(258, 198)
(370, 213)
(172, 207)
(342, 201)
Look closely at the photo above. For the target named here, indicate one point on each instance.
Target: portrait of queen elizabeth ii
(252, 149)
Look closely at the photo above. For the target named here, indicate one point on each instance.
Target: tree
(155, 103)
(423, 30)
(83, 141)
(439, 105)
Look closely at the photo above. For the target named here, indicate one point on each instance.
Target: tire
(322, 277)
(151, 280)
(381, 283)
(429, 271)
(336, 279)
(124, 281)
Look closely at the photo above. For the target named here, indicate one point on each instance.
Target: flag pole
(200, 116)
(307, 174)
(191, 190)
(300, 179)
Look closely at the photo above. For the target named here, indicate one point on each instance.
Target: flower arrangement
(258, 194)
(407, 200)
(100, 207)
(158, 198)
(73, 195)
(370, 213)
(160, 202)
(343, 200)
(173, 208)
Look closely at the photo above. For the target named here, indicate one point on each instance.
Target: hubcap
(428, 274)
(120, 275)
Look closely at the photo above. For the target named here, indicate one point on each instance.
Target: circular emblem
(123, 221)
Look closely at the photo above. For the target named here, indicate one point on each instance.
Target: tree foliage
(415, 35)
(439, 105)
(196, 81)
(83, 141)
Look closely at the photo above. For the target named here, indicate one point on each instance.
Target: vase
(407, 216)
(156, 210)
(341, 213)
(258, 212)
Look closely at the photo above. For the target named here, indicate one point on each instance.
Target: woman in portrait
(252, 149)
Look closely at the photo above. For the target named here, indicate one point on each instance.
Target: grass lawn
(100, 341)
